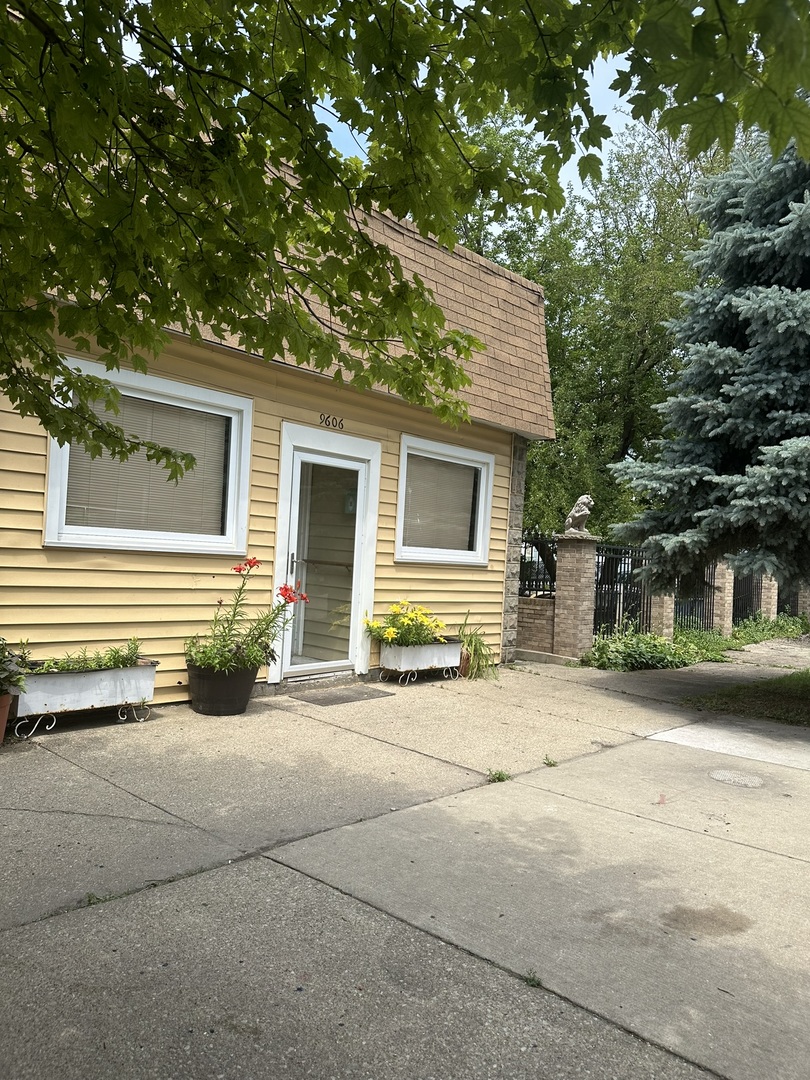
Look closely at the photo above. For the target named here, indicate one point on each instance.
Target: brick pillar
(662, 616)
(575, 596)
(769, 605)
(723, 598)
(514, 537)
(804, 600)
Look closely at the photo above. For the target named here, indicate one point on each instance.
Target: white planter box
(438, 654)
(56, 692)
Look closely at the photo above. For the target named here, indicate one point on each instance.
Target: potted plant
(223, 662)
(115, 677)
(413, 639)
(12, 681)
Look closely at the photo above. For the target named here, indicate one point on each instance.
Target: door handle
(291, 568)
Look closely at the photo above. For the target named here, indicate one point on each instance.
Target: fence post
(575, 595)
(723, 599)
(803, 605)
(662, 615)
(769, 602)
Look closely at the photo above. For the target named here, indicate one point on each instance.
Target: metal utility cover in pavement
(340, 695)
(739, 779)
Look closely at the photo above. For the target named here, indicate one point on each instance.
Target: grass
(785, 699)
(497, 776)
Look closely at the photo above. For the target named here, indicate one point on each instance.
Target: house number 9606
(332, 421)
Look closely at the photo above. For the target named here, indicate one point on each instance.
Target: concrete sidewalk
(332, 889)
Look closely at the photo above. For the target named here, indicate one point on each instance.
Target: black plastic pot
(220, 693)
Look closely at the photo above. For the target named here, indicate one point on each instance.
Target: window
(104, 503)
(445, 498)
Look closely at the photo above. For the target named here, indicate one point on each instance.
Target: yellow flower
(390, 633)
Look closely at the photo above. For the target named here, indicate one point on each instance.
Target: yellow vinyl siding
(62, 599)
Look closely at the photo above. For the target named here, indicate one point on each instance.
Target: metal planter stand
(409, 660)
(50, 694)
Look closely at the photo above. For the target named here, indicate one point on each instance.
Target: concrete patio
(332, 889)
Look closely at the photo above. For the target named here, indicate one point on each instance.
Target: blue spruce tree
(732, 475)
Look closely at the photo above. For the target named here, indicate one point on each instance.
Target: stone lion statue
(577, 519)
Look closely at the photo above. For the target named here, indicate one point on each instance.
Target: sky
(605, 101)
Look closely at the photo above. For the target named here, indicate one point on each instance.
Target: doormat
(340, 695)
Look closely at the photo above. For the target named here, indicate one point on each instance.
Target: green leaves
(167, 163)
(731, 478)
(709, 121)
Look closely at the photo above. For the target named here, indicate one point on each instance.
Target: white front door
(327, 529)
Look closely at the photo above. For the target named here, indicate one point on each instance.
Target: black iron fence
(538, 564)
(787, 601)
(694, 600)
(621, 599)
(747, 597)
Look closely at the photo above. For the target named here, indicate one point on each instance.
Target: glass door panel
(323, 556)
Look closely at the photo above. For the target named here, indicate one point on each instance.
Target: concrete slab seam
(501, 967)
(68, 909)
(113, 817)
(395, 745)
(655, 821)
(132, 794)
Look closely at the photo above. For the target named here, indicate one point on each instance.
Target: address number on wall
(327, 420)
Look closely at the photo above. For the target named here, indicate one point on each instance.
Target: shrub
(751, 631)
(628, 650)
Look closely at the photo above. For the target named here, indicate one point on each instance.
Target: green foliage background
(169, 164)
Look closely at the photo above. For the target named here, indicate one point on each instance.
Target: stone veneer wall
(511, 600)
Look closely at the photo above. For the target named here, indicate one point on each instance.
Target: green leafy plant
(760, 628)
(12, 670)
(406, 624)
(235, 639)
(497, 776)
(550, 762)
(629, 650)
(101, 660)
(705, 644)
(477, 657)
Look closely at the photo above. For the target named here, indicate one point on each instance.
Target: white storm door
(328, 501)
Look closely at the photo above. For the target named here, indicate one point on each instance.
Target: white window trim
(234, 541)
(462, 456)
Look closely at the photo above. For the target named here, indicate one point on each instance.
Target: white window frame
(239, 410)
(460, 455)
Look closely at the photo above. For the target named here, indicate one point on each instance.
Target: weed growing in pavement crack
(497, 776)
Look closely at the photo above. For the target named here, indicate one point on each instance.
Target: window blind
(441, 504)
(137, 494)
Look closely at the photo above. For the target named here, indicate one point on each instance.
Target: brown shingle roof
(511, 387)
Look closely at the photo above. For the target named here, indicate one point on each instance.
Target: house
(362, 497)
